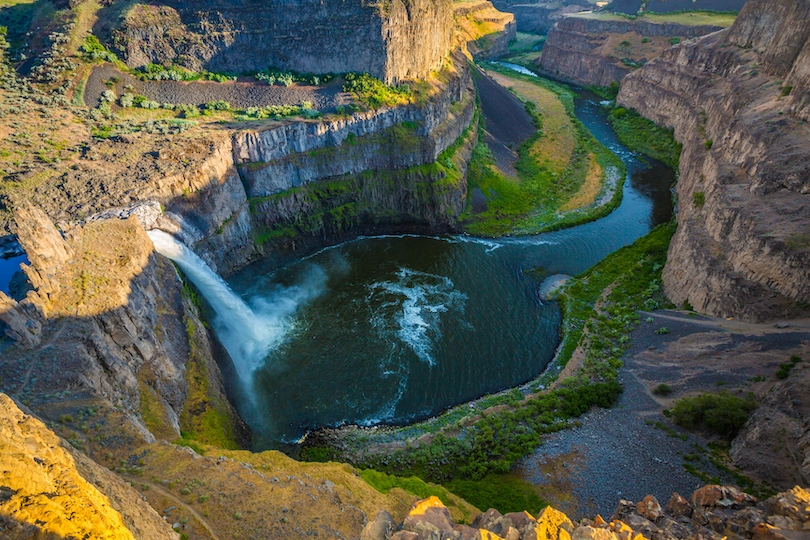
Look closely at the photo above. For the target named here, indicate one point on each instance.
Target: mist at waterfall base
(395, 329)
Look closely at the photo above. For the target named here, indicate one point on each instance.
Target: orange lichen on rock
(420, 507)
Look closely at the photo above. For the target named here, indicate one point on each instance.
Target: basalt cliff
(739, 101)
(392, 40)
(593, 51)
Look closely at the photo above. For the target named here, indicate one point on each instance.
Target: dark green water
(396, 329)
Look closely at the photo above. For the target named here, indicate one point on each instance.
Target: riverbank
(474, 444)
(558, 177)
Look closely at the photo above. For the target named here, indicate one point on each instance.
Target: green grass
(506, 492)
(642, 135)
(531, 204)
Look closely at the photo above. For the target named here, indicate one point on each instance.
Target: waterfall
(247, 335)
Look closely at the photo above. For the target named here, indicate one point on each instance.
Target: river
(397, 329)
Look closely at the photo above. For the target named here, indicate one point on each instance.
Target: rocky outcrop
(117, 330)
(328, 178)
(48, 489)
(742, 247)
(539, 17)
(392, 40)
(485, 31)
(593, 51)
(712, 512)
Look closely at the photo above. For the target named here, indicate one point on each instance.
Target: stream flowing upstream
(395, 329)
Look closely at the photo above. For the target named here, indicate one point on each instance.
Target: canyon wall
(591, 51)
(392, 40)
(51, 490)
(738, 101)
(483, 30)
(115, 332)
(331, 178)
(539, 17)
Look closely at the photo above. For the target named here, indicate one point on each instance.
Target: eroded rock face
(50, 490)
(392, 40)
(742, 248)
(539, 17)
(585, 51)
(115, 330)
(485, 30)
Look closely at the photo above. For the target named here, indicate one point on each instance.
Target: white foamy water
(248, 333)
(519, 69)
(413, 303)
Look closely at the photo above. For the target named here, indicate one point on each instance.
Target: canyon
(119, 393)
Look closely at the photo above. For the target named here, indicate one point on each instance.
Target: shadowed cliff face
(392, 40)
(742, 248)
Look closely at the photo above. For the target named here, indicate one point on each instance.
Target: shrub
(624, 43)
(146, 104)
(662, 330)
(619, 112)
(786, 91)
(218, 105)
(108, 96)
(645, 40)
(784, 369)
(94, 50)
(708, 144)
(188, 111)
(127, 100)
(698, 199)
(722, 414)
(675, 40)
(662, 389)
(374, 93)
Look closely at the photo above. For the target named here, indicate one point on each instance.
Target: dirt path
(178, 502)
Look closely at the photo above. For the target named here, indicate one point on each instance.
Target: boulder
(707, 496)
(485, 519)
(794, 504)
(520, 520)
(380, 529)
(678, 506)
(551, 525)
(428, 515)
(592, 533)
(650, 508)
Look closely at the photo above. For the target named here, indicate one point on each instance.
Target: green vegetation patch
(642, 135)
(722, 414)
(373, 93)
(532, 203)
